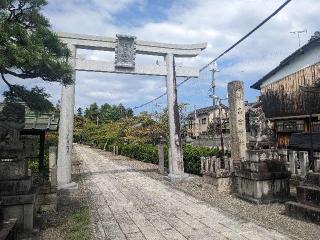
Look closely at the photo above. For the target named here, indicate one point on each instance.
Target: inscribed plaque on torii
(125, 51)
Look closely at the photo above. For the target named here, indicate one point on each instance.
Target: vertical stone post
(316, 159)
(202, 162)
(53, 166)
(293, 159)
(175, 161)
(304, 163)
(66, 130)
(161, 158)
(237, 122)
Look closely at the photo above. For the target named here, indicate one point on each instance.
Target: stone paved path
(129, 205)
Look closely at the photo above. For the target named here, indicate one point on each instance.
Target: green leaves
(28, 47)
(36, 98)
(107, 113)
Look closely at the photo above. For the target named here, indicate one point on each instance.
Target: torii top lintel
(125, 48)
(142, 47)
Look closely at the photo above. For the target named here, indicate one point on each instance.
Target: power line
(223, 53)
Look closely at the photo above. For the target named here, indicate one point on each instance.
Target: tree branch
(13, 88)
(22, 75)
(6, 82)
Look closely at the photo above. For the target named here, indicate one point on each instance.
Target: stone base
(263, 191)
(176, 178)
(22, 207)
(223, 184)
(308, 196)
(67, 195)
(303, 212)
(8, 229)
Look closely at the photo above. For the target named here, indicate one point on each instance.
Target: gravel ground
(55, 224)
(269, 216)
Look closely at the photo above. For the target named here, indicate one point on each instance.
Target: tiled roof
(48, 122)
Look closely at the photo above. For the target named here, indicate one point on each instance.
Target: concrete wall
(212, 142)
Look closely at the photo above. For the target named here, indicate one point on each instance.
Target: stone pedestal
(308, 197)
(17, 194)
(218, 172)
(8, 229)
(67, 195)
(262, 178)
(18, 197)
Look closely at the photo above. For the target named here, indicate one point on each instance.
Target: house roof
(205, 110)
(314, 41)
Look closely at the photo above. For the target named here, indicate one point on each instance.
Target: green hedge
(192, 155)
(149, 153)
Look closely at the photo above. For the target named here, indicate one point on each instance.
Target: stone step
(8, 229)
(313, 178)
(303, 212)
(309, 195)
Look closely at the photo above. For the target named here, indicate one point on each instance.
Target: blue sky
(219, 23)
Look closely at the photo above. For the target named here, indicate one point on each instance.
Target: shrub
(149, 153)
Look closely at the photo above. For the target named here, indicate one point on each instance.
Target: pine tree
(29, 49)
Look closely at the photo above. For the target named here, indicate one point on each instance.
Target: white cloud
(220, 23)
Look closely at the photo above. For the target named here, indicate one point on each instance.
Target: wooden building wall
(284, 98)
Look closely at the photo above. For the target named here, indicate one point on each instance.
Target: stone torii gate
(125, 48)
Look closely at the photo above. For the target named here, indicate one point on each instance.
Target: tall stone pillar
(175, 161)
(66, 130)
(237, 122)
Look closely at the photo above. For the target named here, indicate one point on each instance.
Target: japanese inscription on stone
(125, 51)
(237, 120)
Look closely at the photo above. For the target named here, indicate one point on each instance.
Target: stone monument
(260, 128)
(237, 122)
(217, 171)
(263, 177)
(307, 206)
(17, 194)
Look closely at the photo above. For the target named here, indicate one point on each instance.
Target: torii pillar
(66, 129)
(125, 48)
(176, 166)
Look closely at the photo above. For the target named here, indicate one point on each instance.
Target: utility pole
(221, 133)
(216, 102)
(298, 34)
(213, 84)
(195, 118)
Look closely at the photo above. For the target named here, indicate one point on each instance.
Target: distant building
(283, 101)
(199, 120)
